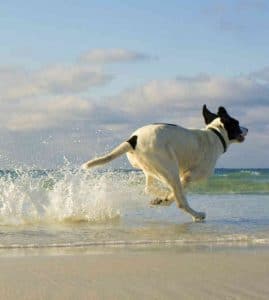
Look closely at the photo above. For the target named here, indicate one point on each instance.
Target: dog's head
(235, 132)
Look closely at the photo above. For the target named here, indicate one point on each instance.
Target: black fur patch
(232, 127)
(133, 141)
(167, 124)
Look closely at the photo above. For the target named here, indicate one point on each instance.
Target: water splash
(65, 195)
(72, 195)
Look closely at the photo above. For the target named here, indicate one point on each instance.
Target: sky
(78, 77)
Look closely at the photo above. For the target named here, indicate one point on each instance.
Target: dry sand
(137, 275)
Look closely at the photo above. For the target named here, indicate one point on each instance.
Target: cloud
(58, 111)
(69, 79)
(113, 56)
(179, 100)
(185, 95)
(176, 99)
(36, 114)
(59, 106)
(17, 83)
(35, 99)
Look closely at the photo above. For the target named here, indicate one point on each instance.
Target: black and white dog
(177, 156)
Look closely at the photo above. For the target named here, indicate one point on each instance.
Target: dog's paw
(159, 201)
(156, 201)
(200, 217)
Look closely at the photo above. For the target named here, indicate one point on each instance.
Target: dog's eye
(236, 123)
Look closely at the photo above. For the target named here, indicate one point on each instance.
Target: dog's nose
(244, 130)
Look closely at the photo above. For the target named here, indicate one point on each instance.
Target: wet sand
(126, 274)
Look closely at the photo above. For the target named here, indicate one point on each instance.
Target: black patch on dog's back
(133, 141)
(166, 124)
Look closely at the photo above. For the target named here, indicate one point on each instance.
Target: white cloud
(51, 95)
(59, 79)
(69, 79)
(47, 97)
(181, 98)
(57, 111)
(45, 113)
(113, 56)
(54, 98)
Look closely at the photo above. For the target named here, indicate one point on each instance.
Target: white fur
(173, 155)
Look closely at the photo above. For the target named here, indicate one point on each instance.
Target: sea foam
(61, 196)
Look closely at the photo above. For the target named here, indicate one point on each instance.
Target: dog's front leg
(181, 200)
(168, 173)
(183, 204)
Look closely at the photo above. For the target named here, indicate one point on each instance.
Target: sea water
(69, 207)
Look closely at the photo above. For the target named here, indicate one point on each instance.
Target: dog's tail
(118, 151)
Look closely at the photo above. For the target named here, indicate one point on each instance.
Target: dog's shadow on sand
(169, 230)
(246, 222)
(223, 226)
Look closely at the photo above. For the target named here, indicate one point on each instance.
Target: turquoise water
(74, 208)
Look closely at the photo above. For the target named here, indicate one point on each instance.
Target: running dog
(177, 156)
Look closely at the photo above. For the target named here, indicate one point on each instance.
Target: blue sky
(77, 72)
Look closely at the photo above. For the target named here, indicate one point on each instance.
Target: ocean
(72, 208)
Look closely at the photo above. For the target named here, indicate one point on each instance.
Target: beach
(134, 150)
(126, 274)
(69, 234)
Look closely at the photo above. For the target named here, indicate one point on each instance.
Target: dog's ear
(208, 115)
(222, 113)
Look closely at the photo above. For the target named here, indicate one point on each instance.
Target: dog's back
(188, 148)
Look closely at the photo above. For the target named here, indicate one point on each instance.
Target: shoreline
(94, 249)
(152, 273)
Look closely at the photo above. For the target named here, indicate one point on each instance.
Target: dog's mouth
(240, 138)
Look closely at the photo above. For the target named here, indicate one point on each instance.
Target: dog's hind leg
(163, 201)
(164, 198)
(151, 188)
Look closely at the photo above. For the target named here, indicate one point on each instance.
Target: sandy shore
(137, 275)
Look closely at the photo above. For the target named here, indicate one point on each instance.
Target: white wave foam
(228, 240)
(63, 196)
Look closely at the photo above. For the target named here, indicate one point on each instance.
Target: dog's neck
(217, 128)
(219, 135)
